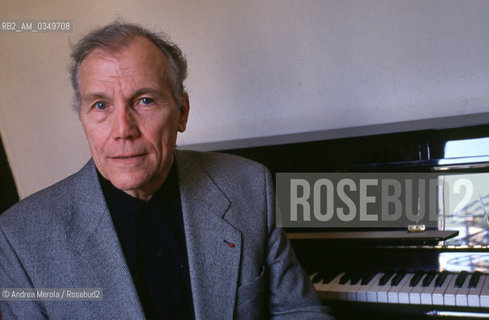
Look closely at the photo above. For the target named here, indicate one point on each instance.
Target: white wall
(257, 68)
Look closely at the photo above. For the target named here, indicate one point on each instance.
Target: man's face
(129, 115)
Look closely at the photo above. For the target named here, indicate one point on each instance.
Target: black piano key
(345, 278)
(397, 278)
(459, 282)
(356, 277)
(441, 278)
(474, 280)
(367, 278)
(385, 278)
(329, 276)
(429, 278)
(416, 278)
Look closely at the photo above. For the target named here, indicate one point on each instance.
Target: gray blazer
(63, 237)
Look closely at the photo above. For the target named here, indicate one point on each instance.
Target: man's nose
(124, 124)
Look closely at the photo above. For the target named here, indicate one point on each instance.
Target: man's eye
(146, 100)
(101, 105)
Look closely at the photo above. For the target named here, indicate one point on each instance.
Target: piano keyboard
(461, 289)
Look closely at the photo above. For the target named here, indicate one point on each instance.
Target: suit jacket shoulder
(39, 213)
(221, 164)
(246, 184)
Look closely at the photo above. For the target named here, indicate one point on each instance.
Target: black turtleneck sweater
(152, 237)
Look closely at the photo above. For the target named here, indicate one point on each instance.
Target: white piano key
(317, 285)
(427, 292)
(403, 294)
(426, 295)
(462, 293)
(362, 290)
(328, 291)
(373, 288)
(473, 297)
(392, 295)
(382, 295)
(484, 296)
(383, 291)
(345, 292)
(415, 294)
(353, 292)
(450, 292)
(437, 296)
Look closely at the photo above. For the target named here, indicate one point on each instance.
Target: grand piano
(373, 273)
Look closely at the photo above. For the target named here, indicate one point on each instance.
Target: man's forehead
(136, 49)
(139, 57)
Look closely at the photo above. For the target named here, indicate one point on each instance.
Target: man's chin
(126, 184)
(134, 186)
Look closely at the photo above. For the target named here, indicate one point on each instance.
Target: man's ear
(184, 110)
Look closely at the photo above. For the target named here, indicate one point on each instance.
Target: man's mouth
(126, 157)
(132, 156)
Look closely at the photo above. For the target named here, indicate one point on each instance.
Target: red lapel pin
(230, 244)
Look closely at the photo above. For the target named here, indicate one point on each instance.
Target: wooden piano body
(387, 274)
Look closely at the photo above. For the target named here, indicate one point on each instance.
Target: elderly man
(165, 234)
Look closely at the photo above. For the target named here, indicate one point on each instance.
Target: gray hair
(116, 36)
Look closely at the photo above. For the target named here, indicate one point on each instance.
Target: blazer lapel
(98, 260)
(213, 245)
